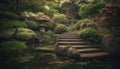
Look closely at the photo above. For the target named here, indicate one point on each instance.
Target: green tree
(72, 6)
(92, 9)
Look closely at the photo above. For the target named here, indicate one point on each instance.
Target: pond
(42, 60)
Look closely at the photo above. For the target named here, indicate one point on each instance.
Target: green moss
(25, 34)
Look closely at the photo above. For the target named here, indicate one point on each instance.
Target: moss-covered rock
(25, 34)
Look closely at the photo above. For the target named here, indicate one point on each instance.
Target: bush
(60, 18)
(103, 31)
(61, 28)
(51, 26)
(89, 34)
(8, 14)
(11, 49)
(48, 33)
(73, 28)
(6, 23)
(25, 34)
(31, 24)
(6, 34)
(91, 9)
(83, 21)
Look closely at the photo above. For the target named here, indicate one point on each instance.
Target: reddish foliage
(102, 19)
(111, 10)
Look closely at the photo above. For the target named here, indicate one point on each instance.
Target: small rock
(73, 53)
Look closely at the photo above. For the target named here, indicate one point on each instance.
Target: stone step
(70, 33)
(89, 50)
(92, 55)
(77, 46)
(73, 43)
(85, 48)
(66, 37)
(70, 40)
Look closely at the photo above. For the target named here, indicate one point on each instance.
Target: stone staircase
(85, 48)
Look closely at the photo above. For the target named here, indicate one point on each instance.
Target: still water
(51, 61)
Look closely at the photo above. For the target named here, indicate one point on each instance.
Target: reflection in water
(50, 61)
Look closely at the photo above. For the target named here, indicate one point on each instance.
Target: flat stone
(89, 55)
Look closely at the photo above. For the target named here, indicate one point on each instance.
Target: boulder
(110, 45)
(73, 53)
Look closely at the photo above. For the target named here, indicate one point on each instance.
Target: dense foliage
(31, 24)
(91, 9)
(10, 50)
(44, 20)
(89, 34)
(7, 23)
(60, 18)
(61, 28)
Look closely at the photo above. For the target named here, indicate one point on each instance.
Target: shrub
(103, 31)
(60, 18)
(31, 24)
(7, 33)
(51, 26)
(8, 14)
(93, 8)
(83, 21)
(61, 28)
(48, 33)
(73, 28)
(6, 23)
(89, 34)
(25, 34)
(11, 49)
